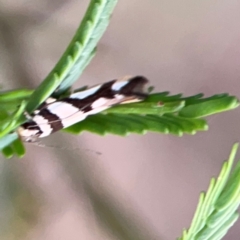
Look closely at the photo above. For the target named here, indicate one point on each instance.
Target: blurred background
(137, 187)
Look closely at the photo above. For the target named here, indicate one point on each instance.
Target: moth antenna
(40, 144)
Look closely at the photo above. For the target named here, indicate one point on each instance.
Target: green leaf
(77, 55)
(153, 114)
(209, 107)
(159, 112)
(154, 108)
(14, 95)
(18, 148)
(68, 69)
(11, 122)
(8, 152)
(216, 210)
(121, 124)
(7, 140)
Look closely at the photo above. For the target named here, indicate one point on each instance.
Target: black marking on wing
(85, 103)
(44, 105)
(82, 104)
(133, 88)
(53, 120)
(32, 125)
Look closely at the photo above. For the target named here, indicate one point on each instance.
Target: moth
(56, 114)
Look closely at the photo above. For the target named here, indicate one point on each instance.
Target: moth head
(28, 135)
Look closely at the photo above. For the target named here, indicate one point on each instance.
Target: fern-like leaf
(123, 125)
(217, 208)
(158, 113)
(77, 55)
(68, 69)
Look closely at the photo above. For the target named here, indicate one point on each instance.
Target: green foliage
(77, 55)
(158, 113)
(68, 69)
(217, 208)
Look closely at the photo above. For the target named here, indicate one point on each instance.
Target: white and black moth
(54, 115)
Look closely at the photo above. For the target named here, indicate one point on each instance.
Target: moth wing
(65, 112)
